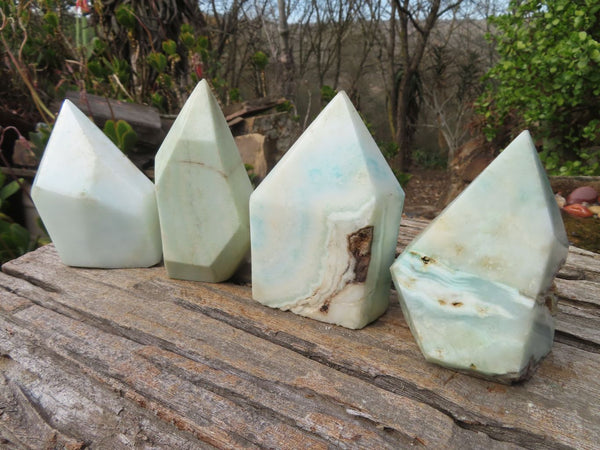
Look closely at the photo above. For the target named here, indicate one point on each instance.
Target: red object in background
(82, 6)
(199, 71)
(578, 210)
(582, 194)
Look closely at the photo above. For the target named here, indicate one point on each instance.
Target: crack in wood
(7, 269)
(273, 387)
(100, 373)
(396, 386)
(564, 337)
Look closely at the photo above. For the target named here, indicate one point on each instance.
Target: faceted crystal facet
(474, 286)
(98, 208)
(202, 191)
(324, 223)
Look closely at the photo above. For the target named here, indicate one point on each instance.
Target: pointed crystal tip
(324, 223)
(473, 286)
(202, 190)
(98, 208)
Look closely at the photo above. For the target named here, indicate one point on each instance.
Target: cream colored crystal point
(98, 208)
(474, 286)
(202, 191)
(324, 223)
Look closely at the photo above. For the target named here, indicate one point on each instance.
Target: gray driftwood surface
(132, 359)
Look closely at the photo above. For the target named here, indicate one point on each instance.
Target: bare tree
(364, 39)
(329, 24)
(416, 18)
(449, 93)
(285, 56)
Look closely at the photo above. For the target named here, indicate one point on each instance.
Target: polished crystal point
(475, 285)
(202, 191)
(98, 208)
(324, 223)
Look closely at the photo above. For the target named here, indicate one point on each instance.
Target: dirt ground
(425, 191)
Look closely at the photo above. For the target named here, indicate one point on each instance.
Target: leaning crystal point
(324, 223)
(202, 190)
(474, 287)
(98, 207)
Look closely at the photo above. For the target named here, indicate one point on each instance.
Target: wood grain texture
(130, 358)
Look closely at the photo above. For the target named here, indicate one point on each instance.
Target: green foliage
(327, 94)
(389, 149)
(50, 22)
(15, 240)
(286, 106)
(8, 189)
(169, 47)
(121, 133)
(35, 53)
(251, 175)
(260, 60)
(367, 123)
(158, 100)
(548, 80)
(125, 16)
(158, 61)
(234, 95)
(429, 159)
(402, 177)
(39, 138)
(47, 49)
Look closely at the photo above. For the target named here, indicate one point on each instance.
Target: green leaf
(260, 60)
(546, 79)
(125, 16)
(97, 69)
(158, 61)
(10, 189)
(20, 237)
(128, 141)
(110, 130)
(169, 47)
(51, 20)
(187, 39)
(123, 127)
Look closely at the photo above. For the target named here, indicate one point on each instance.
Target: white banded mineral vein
(475, 286)
(98, 207)
(202, 190)
(324, 223)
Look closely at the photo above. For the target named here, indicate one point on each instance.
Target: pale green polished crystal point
(324, 223)
(99, 209)
(475, 285)
(202, 191)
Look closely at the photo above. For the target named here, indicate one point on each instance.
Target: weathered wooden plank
(409, 229)
(182, 343)
(122, 363)
(237, 110)
(558, 407)
(581, 264)
(46, 401)
(386, 354)
(175, 345)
